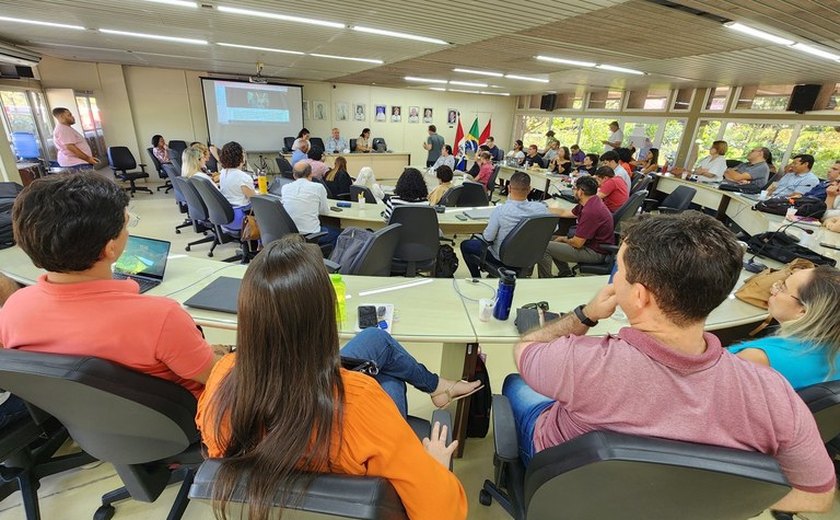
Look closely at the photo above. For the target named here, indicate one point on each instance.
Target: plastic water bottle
(504, 295)
(262, 181)
(340, 298)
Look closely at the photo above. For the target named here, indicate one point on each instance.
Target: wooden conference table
(387, 166)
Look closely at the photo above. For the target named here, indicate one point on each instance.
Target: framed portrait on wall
(427, 115)
(381, 115)
(319, 110)
(396, 114)
(413, 114)
(341, 111)
(451, 116)
(359, 112)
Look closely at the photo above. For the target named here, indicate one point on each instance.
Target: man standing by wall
(73, 150)
(433, 145)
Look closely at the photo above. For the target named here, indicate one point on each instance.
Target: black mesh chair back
(155, 162)
(355, 191)
(288, 142)
(641, 183)
(219, 210)
(629, 209)
(276, 186)
(353, 144)
(491, 183)
(272, 218)
(823, 399)
(452, 196)
(283, 166)
(177, 146)
(196, 208)
(733, 163)
(375, 257)
(378, 144)
(419, 238)
(212, 164)
(472, 194)
(525, 245)
(173, 172)
(121, 158)
(316, 143)
(175, 158)
(679, 199)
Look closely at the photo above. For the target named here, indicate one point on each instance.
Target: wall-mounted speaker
(548, 102)
(803, 98)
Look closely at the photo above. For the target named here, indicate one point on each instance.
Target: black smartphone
(367, 317)
(460, 216)
(333, 208)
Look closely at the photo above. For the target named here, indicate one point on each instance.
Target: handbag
(756, 288)
(365, 366)
(250, 229)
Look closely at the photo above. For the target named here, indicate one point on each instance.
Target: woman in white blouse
(236, 185)
(368, 180)
(711, 167)
(302, 136)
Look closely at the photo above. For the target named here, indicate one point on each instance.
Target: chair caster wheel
(210, 255)
(484, 498)
(187, 248)
(104, 513)
(177, 231)
(781, 515)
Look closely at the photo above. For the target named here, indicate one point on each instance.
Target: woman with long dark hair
(282, 403)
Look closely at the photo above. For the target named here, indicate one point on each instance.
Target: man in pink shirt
(316, 161)
(75, 226)
(73, 149)
(485, 168)
(663, 376)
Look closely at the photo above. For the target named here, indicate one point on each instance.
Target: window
(91, 124)
(533, 130)
(671, 138)
(566, 129)
(606, 100)
(26, 126)
(743, 137)
(577, 103)
(823, 142)
(764, 97)
(683, 99)
(592, 132)
(834, 99)
(657, 99)
(717, 99)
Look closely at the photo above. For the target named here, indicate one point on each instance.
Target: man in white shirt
(73, 149)
(611, 159)
(304, 200)
(446, 158)
(799, 180)
(336, 143)
(615, 139)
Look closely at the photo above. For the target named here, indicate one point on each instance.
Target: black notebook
(221, 295)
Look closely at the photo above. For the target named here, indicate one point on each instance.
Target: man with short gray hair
(304, 200)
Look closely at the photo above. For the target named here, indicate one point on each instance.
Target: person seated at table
(304, 200)
(611, 189)
(516, 152)
(650, 164)
(363, 141)
(551, 152)
(485, 169)
(75, 227)
(798, 180)
(262, 411)
(805, 348)
(367, 179)
(337, 179)
(712, 167)
(302, 137)
(301, 154)
(549, 139)
(577, 156)
(193, 164)
(819, 191)
(503, 219)
(533, 157)
(315, 159)
(236, 185)
(336, 143)
(562, 162)
(594, 230)
(755, 171)
(496, 153)
(160, 149)
(612, 160)
(445, 159)
(444, 175)
(832, 202)
(663, 375)
(590, 164)
(625, 159)
(411, 190)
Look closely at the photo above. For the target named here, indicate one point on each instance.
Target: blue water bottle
(504, 296)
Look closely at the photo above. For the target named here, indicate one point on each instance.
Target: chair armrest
(343, 196)
(504, 430)
(445, 419)
(331, 266)
(610, 248)
(314, 237)
(142, 167)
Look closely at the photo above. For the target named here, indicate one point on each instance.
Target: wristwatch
(582, 317)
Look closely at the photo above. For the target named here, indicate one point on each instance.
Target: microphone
(756, 267)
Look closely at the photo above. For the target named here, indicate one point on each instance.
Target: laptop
(144, 261)
(222, 295)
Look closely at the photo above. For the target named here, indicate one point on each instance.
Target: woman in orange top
(282, 403)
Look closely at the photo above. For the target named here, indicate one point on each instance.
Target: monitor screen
(143, 256)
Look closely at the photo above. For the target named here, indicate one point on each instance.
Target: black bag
(8, 193)
(349, 244)
(750, 189)
(783, 248)
(478, 420)
(773, 206)
(7, 238)
(805, 206)
(447, 262)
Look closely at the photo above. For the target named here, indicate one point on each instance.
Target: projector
(257, 79)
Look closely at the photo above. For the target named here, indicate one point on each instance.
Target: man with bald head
(304, 200)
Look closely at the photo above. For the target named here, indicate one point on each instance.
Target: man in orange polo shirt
(75, 227)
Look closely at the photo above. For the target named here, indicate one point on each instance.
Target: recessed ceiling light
(526, 78)
(468, 84)
(365, 60)
(566, 62)
(395, 34)
(264, 49)
(154, 37)
(480, 72)
(283, 17)
(741, 28)
(439, 89)
(424, 80)
(816, 51)
(47, 24)
(464, 91)
(621, 69)
(495, 93)
(179, 3)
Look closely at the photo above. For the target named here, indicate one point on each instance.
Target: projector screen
(256, 116)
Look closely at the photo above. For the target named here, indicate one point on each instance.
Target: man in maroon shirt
(664, 376)
(594, 229)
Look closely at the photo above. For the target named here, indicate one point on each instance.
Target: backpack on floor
(447, 262)
(478, 420)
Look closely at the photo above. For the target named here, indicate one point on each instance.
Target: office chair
(612, 475)
(491, 183)
(220, 214)
(177, 148)
(167, 185)
(143, 425)
(374, 258)
(676, 202)
(452, 196)
(122, 160)
(733, 163)
(352, 145)
(522, 248)
(171, 172)
(419, 240)
(316, 143)
(378, 145)
(27, 452)
(276, 186)
(328, 495)
(355, 191)
(25, 145)
(196, 209)
(472, 194)
(274, 221)
(626, 212)
(288, 142)
(284, 166)
(641, 183)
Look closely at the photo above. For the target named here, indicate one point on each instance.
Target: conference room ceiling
(675, 48)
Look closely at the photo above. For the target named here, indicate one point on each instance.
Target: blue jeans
(470, 249)
(12, 410)
(330, 237)
(527, 405)
(396, 366)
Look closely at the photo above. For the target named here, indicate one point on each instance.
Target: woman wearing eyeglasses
(805, 348)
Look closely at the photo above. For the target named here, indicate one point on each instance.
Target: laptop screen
(143, 257)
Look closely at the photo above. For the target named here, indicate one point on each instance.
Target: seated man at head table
(663, 376)
(798, 180)
(336, 143)
(755, 171)
(75, 226)
(594, 230)
(503, 219)
(820, 191)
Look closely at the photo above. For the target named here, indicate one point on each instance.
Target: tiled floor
(76, 494)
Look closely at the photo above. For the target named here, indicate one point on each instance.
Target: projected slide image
(251, 104)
